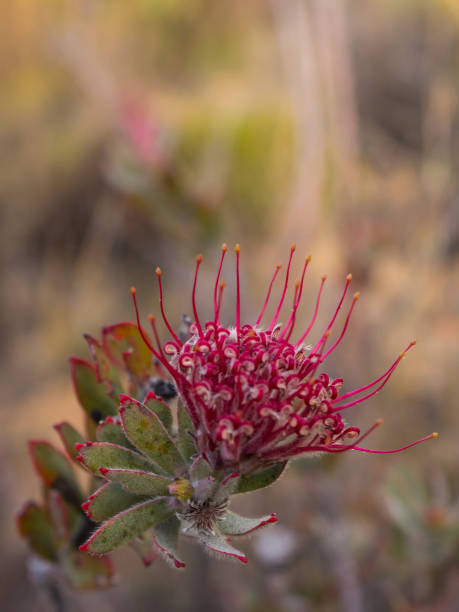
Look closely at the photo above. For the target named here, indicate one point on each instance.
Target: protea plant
(176, 429)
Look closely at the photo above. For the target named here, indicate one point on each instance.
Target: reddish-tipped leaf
(105, 455)
(92, 394)
(219, 544)
(108, 500)
(145, 430)
(55, 470)
(138, 482)
(35, 526)
(166, 538)
(260, 479)
(233, 524)
(112, 431)
(126, 346)
(69, 436)
(127, 525)
(160, 408)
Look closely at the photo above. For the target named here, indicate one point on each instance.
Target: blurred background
(136, 134)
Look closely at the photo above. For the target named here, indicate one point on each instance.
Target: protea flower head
(254, 395)
(250, 398)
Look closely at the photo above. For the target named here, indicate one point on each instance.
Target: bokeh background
(136, 134)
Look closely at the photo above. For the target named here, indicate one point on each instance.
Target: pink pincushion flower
(255, 396)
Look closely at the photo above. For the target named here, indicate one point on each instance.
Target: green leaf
(166, 539)
(185, 430)
(35, 526)
(147, 433)
(86, 572)
(138, 482)
(127, 348)
(200, 469)
(69, 436)
(145, 547)
(260, 479)
(91, 392)
(64, 515)
(74, 516)
(59, 516)
(233, 524)
(55, 470)
(112, 431)
(105, 455)
(108, 500)
(218, 543)
(226, 487)
(106, 369)
(160, 408)
(127, 525)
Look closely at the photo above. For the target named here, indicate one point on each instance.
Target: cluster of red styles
(254, 394)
